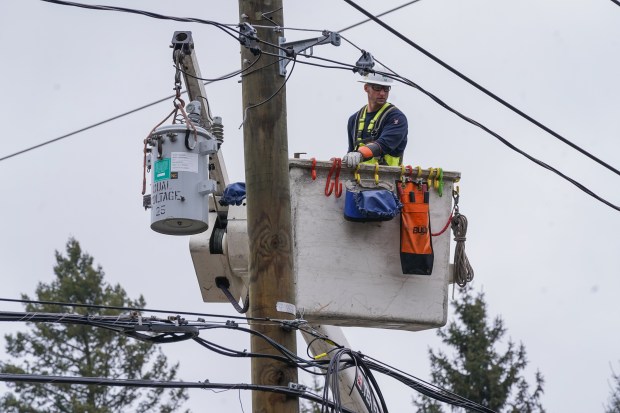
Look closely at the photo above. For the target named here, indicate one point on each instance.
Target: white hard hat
(376, 79)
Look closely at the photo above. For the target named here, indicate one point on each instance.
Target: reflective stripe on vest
(374, 126)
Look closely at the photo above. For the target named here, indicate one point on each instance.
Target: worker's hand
(352, 159)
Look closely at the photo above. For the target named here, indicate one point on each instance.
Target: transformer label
(163, 191)
(184, 162)
(161, 171)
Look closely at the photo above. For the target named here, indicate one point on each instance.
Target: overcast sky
(544, 253)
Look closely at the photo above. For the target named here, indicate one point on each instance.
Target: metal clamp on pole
(248, 37)
(291, 49)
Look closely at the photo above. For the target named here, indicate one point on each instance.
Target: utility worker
(378, 132)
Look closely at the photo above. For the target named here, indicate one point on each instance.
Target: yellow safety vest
(373, 128)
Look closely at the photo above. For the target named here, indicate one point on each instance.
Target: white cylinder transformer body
(180, 184)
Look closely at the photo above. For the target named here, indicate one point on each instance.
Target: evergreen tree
(307, 406)
(614, 399)
(479, 371)
(79, 350)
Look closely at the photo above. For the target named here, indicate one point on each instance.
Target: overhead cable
(231, 74)
(149, 310)
(503, 140)
(410, 83)
(291, 390)
(177, 329)
(406, 81)
(227, 28)
(425, 388)
(378, 15)
(243, 72)
(481, 88)
(94, 125)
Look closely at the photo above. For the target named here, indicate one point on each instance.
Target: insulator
(193, 112)
(217, 128)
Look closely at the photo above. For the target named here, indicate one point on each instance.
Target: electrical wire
(616, 1)
(345, 358)
(342, 358)
(226, 28)
(502, 140)
(245, 111)
(344, 66)
(410, 83)
(103, 381)
(149, 310)
(228, 76)
(393, 75)
(424, 387)
(148, 105)
(481, 88)
(378, 15)
(158, 330)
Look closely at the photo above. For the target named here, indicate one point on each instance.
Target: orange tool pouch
(416, 246)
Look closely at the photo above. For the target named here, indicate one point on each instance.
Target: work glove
(352, 159)
(234, 194)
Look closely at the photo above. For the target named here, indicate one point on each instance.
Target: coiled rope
(463, 271)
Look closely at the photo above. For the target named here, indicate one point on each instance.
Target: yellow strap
(429, 180)
(358, 178)
(371, 124)
(377, 173)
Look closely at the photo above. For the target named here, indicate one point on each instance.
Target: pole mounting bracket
(291, 49)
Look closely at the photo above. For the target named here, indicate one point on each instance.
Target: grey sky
(544, 252)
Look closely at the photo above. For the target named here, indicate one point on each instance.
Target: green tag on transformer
(161, 170)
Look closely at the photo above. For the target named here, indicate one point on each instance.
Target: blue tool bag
(368, 201)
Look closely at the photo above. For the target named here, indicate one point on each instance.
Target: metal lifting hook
(334, 186)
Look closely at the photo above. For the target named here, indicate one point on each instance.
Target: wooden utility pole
(268, 206)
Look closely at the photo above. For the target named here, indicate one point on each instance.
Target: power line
(408, 82)
(296, 391)
(148, 105)
(481, 88)
(503, 140)
(224, 27)
(154, 15)
(86, 128)
(617, 2)
(379, 15)
(167, 330)
(346, 66)
(148, 310)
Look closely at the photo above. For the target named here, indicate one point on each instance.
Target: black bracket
(364, 64)
(182, 41)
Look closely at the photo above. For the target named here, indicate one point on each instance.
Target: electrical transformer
(180, 184)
